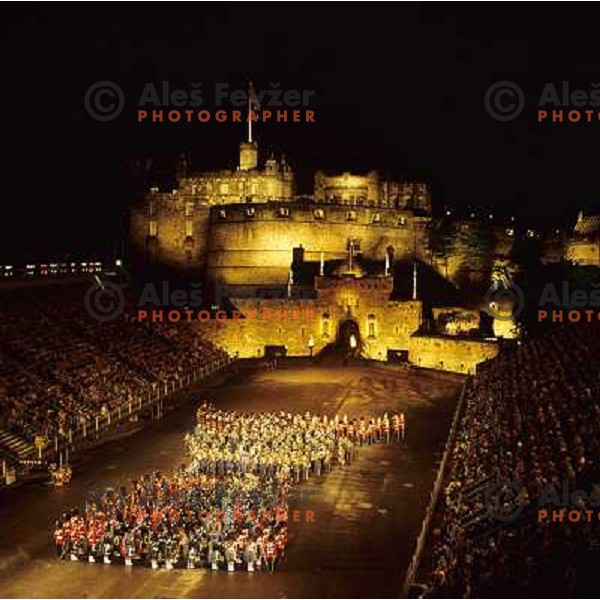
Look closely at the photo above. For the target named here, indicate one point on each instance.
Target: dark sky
(399, 88)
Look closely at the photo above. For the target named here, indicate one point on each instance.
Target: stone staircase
(15, 446)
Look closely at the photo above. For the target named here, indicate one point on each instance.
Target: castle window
(153, 228)
(375, 218)
(351, 215)
(319, 214)
(283, 212)
(224, 188)
(402, 222)
(250, 212)
(189, 228)
(189, 209)
(222, 214)
(325, 325)
(154, 189)
(371, 325)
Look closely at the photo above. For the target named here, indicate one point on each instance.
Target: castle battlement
(371, 190)
(248, 183)
(240, 226)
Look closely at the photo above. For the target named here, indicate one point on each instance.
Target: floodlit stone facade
(246, 228)
(241, 226)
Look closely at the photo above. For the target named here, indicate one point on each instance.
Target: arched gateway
(349, 335)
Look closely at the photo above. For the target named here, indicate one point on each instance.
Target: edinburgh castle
(241, 226)
(365, 253)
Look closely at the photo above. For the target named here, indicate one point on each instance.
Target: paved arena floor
(367, 515)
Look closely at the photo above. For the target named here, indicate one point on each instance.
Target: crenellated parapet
(372, 190)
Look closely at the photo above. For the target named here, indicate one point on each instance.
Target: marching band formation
(229, 508)
(282, 445)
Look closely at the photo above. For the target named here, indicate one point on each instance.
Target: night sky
(399, 88)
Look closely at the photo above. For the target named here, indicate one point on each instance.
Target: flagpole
(249, 111)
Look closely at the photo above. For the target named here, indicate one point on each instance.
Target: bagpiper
(396, 425)
(386, 428)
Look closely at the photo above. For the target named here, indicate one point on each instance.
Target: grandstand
(64, 374)
(528, 431)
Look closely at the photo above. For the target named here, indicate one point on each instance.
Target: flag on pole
(253, 108)
(253, 97)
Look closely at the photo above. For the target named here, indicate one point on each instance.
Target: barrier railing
(58, 449)
(433, 498)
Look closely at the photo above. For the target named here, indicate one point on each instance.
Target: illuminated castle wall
(247, 184)
(583, 246)
(241, 226)
(369, 190)
(254, 243)
(382, 324)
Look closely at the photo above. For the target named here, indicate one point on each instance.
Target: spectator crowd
(530, 427)
(60, 367)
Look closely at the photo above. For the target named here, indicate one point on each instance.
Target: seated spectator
(531, 420)
(59, 367)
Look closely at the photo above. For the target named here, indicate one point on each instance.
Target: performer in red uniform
(271, 553)
(59, 539)
(279, 545)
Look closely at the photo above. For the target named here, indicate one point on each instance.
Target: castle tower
(249, 148)
(271, 165)
(248, 156)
